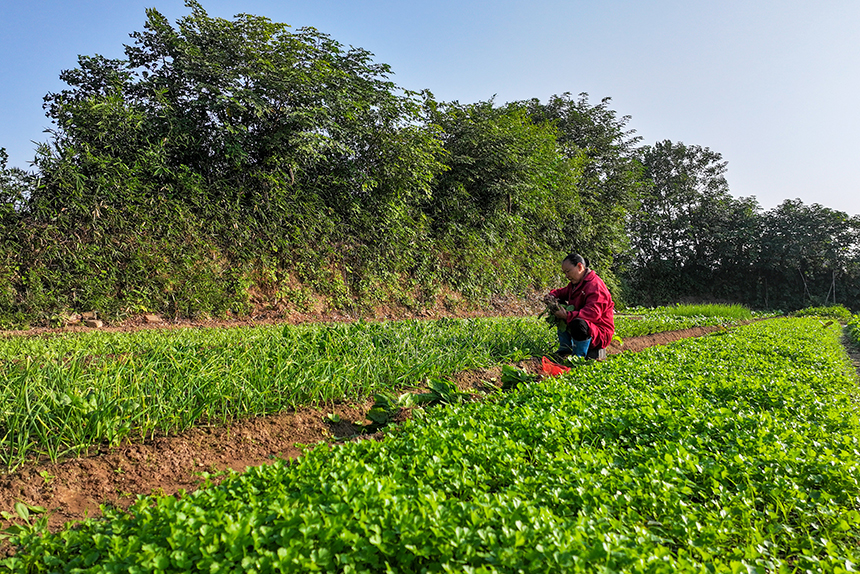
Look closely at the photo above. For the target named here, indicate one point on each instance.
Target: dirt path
(853, 353)
(74, 489)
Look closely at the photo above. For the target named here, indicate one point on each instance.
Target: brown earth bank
(74, 489)
(268, 315)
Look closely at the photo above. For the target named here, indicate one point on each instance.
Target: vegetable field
(641, 321)
(65, 394)
(735, 452)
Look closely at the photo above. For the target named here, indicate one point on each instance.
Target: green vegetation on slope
(227, 167)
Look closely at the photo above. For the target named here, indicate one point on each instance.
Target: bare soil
(74, 489)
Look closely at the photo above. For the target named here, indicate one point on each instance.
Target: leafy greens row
(736, 452)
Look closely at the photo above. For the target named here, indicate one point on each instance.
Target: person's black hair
(576, 259)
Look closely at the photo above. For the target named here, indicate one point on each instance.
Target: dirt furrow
(74, 489)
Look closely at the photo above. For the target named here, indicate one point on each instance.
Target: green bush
(853, 329)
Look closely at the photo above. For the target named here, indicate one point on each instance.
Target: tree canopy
(691, 238)
(223, 165)
(253, 111)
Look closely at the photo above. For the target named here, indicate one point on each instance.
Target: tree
(500, 165)
(608, 184)
(686, 184)
(16, 186)
(233, 117)
(805, 251)
(504, 198)
(219, 154)
(689, 235)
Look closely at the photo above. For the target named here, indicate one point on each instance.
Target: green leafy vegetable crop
(852, 329)
(839, 312)
(736, 452)
(639, 321)
(64, 394)
(67, 393)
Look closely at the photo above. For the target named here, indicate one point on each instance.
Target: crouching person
(589, 327)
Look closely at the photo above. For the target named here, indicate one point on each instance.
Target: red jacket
(593, 304)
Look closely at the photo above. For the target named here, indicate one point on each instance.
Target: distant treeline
(225, 165)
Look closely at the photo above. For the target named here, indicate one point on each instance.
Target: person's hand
(549, 299)
(561, 314)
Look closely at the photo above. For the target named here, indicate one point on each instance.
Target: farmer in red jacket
(590, 326)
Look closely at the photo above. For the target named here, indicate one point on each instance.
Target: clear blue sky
(771, 85)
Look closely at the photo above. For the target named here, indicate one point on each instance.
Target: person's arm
(562, 294)
(595, 306)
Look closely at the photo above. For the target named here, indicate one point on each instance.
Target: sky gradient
(770, 85)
